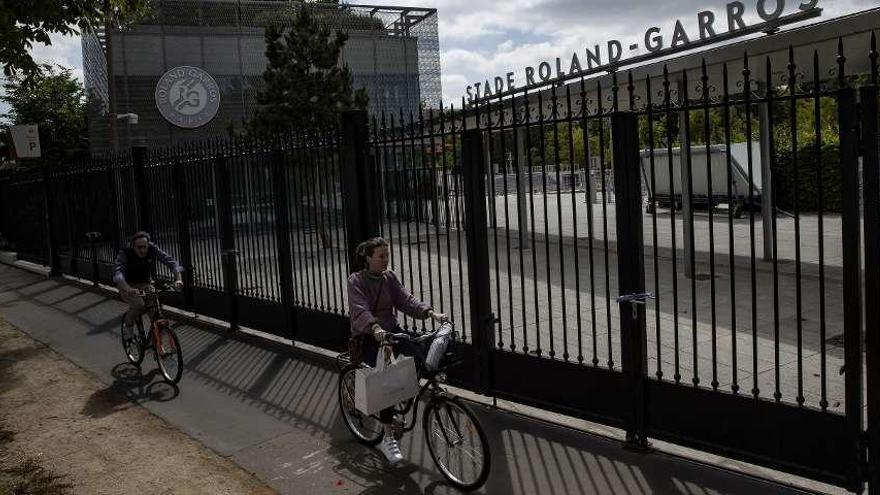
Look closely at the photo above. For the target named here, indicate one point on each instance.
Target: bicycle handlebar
(158, 288)
(394, 338)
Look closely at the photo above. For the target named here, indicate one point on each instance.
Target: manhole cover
(703, 276)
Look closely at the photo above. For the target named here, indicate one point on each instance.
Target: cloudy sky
(481, 39)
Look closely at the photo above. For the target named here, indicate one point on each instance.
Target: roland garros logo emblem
(187, 97)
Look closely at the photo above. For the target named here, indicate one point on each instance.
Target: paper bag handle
(380, 357)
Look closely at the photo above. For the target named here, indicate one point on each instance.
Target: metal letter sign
(26, 139)
(611, 56)
(187, 97)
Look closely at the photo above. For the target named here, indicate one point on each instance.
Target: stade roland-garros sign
(595, 59)
(187, 97)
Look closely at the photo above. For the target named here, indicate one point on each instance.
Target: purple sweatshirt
(386, 295)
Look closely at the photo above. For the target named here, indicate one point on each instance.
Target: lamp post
(129, 118)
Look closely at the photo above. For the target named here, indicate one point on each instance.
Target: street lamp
(129, 118)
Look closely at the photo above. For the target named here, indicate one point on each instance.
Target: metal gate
(733, 193)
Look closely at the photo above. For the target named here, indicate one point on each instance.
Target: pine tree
(304, 85)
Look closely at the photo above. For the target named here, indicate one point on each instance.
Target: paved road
(274, 412)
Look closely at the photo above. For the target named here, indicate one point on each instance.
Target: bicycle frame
(414, 403)
(153, 308)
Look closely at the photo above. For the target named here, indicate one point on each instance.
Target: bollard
(93, 253)
(230, 284)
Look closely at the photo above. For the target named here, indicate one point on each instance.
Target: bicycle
(451, 428)
(162, 339)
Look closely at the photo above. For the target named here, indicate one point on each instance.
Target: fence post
(142, 191)
(51, 243)
(871, 207)
(686, 183)
(476, 230)
(768, 206)
(360, 192)
(183, 238)
(230, 284)
(113, 190)
(282, 241)
(93, 254)
(71, 245)
(630, 267)
(851, 234)
(3, 209)
(522, 197)
(223, 190)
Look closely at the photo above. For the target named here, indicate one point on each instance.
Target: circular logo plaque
(187, 97)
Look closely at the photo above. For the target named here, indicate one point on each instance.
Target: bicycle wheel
(132, 345)
(457, 443)
(168, 354)
(368, 430)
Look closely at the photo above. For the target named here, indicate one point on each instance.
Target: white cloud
(452, 81)
(65, 51)
(565, 26)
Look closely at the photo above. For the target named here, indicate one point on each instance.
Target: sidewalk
(273, 411)
(89, 439)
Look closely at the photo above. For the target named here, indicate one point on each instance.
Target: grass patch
(20, 475)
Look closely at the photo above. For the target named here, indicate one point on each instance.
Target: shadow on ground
(299, 390)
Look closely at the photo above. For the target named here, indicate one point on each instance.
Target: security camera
(132, 118)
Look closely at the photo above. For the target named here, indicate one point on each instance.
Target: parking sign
(26, 139)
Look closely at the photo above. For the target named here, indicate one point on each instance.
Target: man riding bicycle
(134, 269)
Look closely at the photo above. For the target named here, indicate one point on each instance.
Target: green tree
(55, 101)
(330, 13)
(25, 22)
(571, 146)
(304, 84)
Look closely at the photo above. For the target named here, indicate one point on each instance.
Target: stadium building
(192, 69)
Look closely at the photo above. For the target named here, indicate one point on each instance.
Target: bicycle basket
(438, 346)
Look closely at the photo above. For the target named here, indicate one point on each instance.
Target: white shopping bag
(385, 385)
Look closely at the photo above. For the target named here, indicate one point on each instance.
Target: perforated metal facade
(393, 52)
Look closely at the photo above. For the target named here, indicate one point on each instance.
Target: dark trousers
(370, 352)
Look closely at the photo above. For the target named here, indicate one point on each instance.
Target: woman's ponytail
(366, 248)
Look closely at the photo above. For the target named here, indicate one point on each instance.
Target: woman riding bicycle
(375, 294)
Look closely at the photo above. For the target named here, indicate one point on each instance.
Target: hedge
(808, 179)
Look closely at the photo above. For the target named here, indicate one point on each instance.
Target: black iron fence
(738, 194)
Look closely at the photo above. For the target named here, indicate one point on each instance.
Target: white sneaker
(391, 449)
